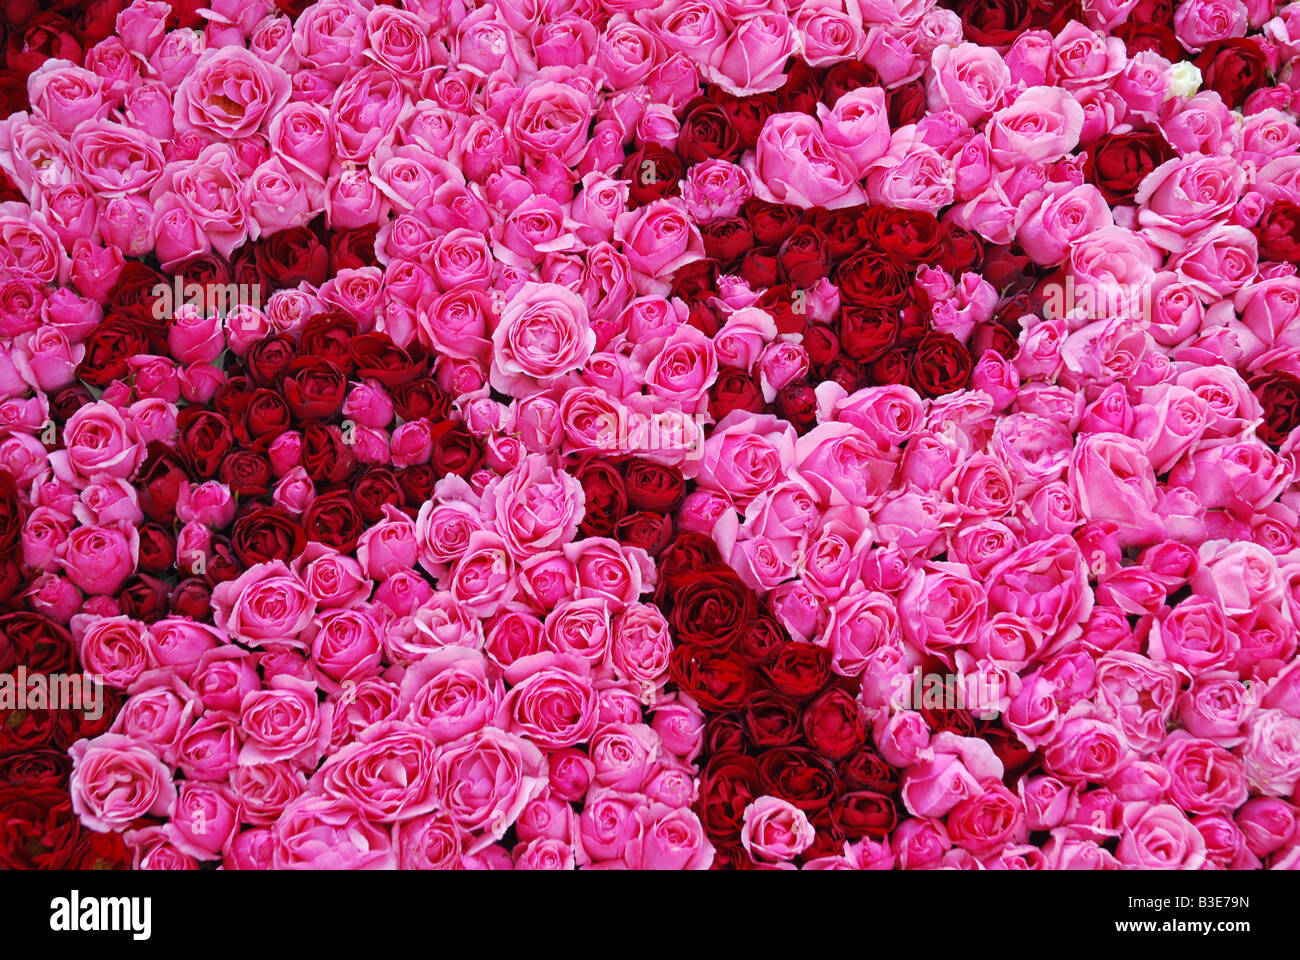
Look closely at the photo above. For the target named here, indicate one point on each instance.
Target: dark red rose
(748, 115)
(828, 838)
(13, 99)
(872, 278)
(100, 851)
(727, 239)
(1016, 758)
(421, 399)
(961, 250)
(1234, 69)
(906, 104)
(314, 388)
(707, 133)
(205, 438)
(940, 365)
(269, 358)
(1140, 37)
(266, 415)
(798, 404)
(11, 516)
(330, 336)
(759, 268)
(192, 598)
(913, 324)
(289, 257)
(352, 249)
(799, 775)
(377, 356)
(64, 403)
(38, 829)
(1279, 394)
(801, 90)
(911, 236)
(416, 484)
(735, 389)
(771, 720)
(780, 302)
(716, 679)
(73, 725)
(649, 531)
(334, 520)
(865, 814)
(108, 347)
(159, 481)
(762, 639)
(652, 486)
(843, 230)
(845, 76)
(1117, 163)
(833, 724)
(868, 333)
(954, 720)
(46, 36)
(134, 295)
(247, 472)
(268, 533)
(1278, 232)
(772, 222)
(689, 553)
(864, 769)
(1153, 11)
(995, 337)
(374, 490)
(822, 344)
(455, 449)
(698, 279)
(710, 609)
(804, 256)
(231, 398)
(606, 496)
(144, 598)
(206, 270)
(893, 366)
(326, 456)
(653, 172)
(27, 729)
(37, 642)
(39, 769)
(724, 733)
(97, 19)
(729, 783)
(799, 670)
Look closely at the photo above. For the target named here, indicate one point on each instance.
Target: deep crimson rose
(845, 76)
(716, 679)
(231, 398)
(416, 484)
(245, 268)
(780, 302)
(710, 609)
(696, 279)
(27, 729)
(314, 388)
(205, 269)
(455, 449)
(864, 769)
(326, 456)
(652, 486)
(46, 36)
(801, 90)
(1016, 758)
(1153, 11)
(893, 366)
(247, 472)
(911, 236)
(993, 23)
(645, 529)
(954, 720)
(1141, 37)
(69, 400)
(39, 769)
(1234, 69)
(100, 851)
(865, 814)
(993, 336)
(38, 829)
(421, 399)
(108, 348)
(37, 642)
(376, 356)
(222, 564)
(134, 295)
(771, 720)
(799, 775)
(653, 173)
(843, 230)
(734, 389)
(762, 639)
(906, 104)
(940, 365)
(95, 19)
(268, 533)
(11, 516)
(269, 358)
(334, 520)
(689, 553)
(822, 344)
(828, 840)
(772, 222)
(729, 782)
(144, 598)
(265, 415)
(797, 403)
(804, 256)
(759, 268)
(724, 733)
(13, 99)
(961, 250)
(606, 496)
(289, 257)
(158, 482)
(329, 336)
(1278, 232)
(1117, 163)
(73, 725)
(375, 489)
(352, 249)
(748, 115)
(913, 324)
(872, 278)
(833, 724)
(727, 239)
(707, 133)
(205, 438)
(192, 598)
(867, 333)
(1279, 394)
(799, 670)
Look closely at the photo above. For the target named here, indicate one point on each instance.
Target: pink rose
(775, 830)
(795, 163)
(116, 780)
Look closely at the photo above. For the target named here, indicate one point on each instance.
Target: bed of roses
(717, 433)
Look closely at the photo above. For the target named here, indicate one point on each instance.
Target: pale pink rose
(775, 830)
(542, 335)
(328, 832)
(1041, 124)
(795, 163)
(752, 58)
(970, 80)
(1159, 837)
(116, 780)
(486, 780)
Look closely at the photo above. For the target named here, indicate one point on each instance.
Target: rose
(267, 602)
(794, 163)
(753, 56)
(1205, 778)
(665, 838)
(534, 508)
(487, 779)
(324, 832)
(1159, 836)
(1232, 68)
(230, 93)
(115, 780)
(1272, 752)
(542, 334)
(1040, 124)
(550, 118)
(775, 830)
(1279, 395)
(388, 773)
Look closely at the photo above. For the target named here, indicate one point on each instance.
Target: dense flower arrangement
(617, 433)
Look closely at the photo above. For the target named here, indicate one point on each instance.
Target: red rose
(747, 116)
(265, 534)
(108, 348)
(652, 486)
(772, 222)
(326, 457)
(735, 389)
(727, 239)
(416, 484)
(270, 357)
(69, 400)
(762, 639)
(159, 481)
(729, 783)
(205, 438)
(893, 366)
(191, 598)
(779, 302)
(13, 99)
(247, 472)
(28, 729)
(724, 733)
(867, 333)
(865, 814)
(1117, 163)
(715, 679)
(759, 268)
(833, 724)
(688, 553)
(1278, 232)
(707, 133)
(1279, 394)
(421, 399)
(872, 278)
(649, 531)
(352, 249)
(845, 76)
(205, 269)
(940, 365)
(962, 250)
(314, 388)
(39, 769)
(771, 720)
(798, 404)
(1016, 758)
(1234, 69)
(157, 549)
(334, 520)
(265, 415)
(73, 725)
(329, 336)
(653, 173)
(911, 236)
(710, 609)
(799, 670)
(804, 256)
(842, 230)
(455, 449)
(289, 257)
(1141, 37)
(374, 490)
(801, 90)
(46, 36)
(864, 769)
(38, 829)
(822, 344)
(800, 776)
(696, 279)
(606, 496)
(11, 516)
(906, 104)
(143, 598)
